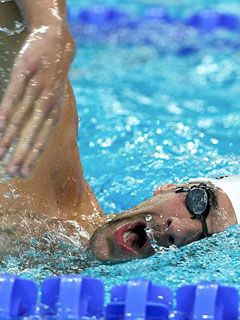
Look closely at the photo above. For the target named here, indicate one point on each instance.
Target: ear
(164, 187)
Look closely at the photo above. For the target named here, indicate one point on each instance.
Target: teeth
(125, 236)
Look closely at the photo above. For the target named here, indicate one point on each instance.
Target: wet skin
(171, 224)
(33, 101)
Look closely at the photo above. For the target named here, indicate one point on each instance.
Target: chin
(121, 241)
(99, 245)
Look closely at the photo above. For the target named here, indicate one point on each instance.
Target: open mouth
(132, 237)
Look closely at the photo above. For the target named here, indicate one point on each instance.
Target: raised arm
(33, 101)
(43, 12)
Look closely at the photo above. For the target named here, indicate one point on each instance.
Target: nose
(182, 231)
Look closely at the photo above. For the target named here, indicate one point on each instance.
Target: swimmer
(39, 123)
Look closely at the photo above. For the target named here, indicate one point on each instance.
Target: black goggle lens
(197, 202)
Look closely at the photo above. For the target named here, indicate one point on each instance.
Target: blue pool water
(150, 115)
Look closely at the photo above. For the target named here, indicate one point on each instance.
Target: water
(178, 7)
(151, 116)
(207, 260)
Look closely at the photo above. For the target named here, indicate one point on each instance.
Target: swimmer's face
(160, 221)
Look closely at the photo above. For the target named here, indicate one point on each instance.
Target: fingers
(23, 120)
(28, 134)
(19, 78)
(15, 122)
(38, 147)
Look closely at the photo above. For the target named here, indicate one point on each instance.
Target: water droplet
(156, 247)
(148, 217)
(7, 195)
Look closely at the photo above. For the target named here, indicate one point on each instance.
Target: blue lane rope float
(139, 299)
(72, 297)
(207, 301)
(100, 16)
(82, 298)
(18, 297)
(159, 14)
(208, 20)
(103, 23)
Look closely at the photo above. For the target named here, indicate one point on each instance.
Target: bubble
(148, 217)
(7, 195)
(156, 247)
(153, 241)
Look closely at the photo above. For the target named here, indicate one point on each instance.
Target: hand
(34, 98)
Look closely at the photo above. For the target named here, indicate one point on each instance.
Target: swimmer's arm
(34, 99)
(43, 12)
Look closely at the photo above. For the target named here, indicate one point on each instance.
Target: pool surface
(150, 115)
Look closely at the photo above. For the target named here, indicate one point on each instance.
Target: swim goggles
(198, 202)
